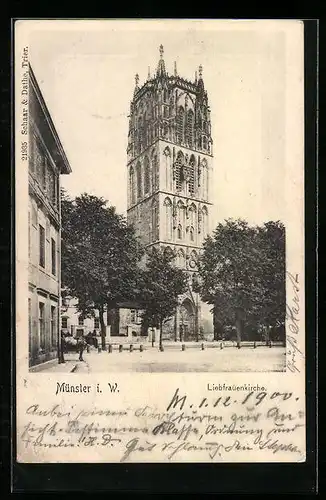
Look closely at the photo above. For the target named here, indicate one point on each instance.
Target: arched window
(154, 171)
(191, 182)
(140, 134)
(178, 171)
(167, 168)
(181, 258)
(204, 221)
(181, 215)
(146, 176)
(192, 234)
(204, 181)
(180, 124)
(179, 232)
(154, 221)
(204, 143)
(132, 185)
(168, 218)
(189, 128)
(139, 180)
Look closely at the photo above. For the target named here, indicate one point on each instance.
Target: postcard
(159, 180)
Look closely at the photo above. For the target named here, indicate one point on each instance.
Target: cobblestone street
(173, 359)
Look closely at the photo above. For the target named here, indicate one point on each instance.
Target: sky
(86, 72)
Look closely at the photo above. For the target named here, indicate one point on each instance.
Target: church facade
(170, 162)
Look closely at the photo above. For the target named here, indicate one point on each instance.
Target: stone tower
(169, 165)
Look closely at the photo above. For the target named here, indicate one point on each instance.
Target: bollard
(270, 343)
(99, 349)
(161, 348)
(141, 348)
(202, 347)
(120, 348)
(221, 345)
(255, 345)
(131, 348)
(110, 348)
(183, 347)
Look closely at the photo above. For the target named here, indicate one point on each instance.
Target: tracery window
(178, 172)
(168, 218)
(132, 185)
(179, 232)
(180, 124)
(139, 180)
(191, 183)
(205, 221)
(181, 258)
(189, 128)
(167, 165)
(146, 176)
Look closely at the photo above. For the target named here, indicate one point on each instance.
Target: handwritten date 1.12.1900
(249, 399)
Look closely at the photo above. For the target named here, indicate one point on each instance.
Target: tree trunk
(101, 317)
(239, 328)
(161, 336)
(215, 324)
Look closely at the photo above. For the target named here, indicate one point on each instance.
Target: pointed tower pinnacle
(161, 64)
(136, 82)
(175, 68)
(200, 83)
(149, 73)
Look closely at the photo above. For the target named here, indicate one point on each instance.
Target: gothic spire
(175, 68)
(200, 83)
(136, 83)
(161, 64)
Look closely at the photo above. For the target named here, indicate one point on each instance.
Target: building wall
(46, 163)
(73, 323)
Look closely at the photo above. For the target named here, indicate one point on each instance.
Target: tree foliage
(162, 283)
(99, 254)
(242, 274)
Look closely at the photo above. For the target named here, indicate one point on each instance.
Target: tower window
(132, 185)
(146, 176)
(179, 232)
(192, 236)
(96, 323)
(80, 321)
(178, 171)
(180, 125)
(139, 190)
(191, 182)
(189, 128)
(64, 322)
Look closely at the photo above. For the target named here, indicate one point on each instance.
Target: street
(173, 359)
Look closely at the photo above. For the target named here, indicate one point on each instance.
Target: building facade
(47, 161)
(169, 162)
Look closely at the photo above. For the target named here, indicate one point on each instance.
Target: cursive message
(293, 324)
(229, 426)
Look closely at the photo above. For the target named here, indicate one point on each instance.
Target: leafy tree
(242, 274)
(162, 283)
(100, 254)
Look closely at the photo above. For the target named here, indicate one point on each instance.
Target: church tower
(169, 165)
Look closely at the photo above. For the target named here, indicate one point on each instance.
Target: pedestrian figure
(81, 345)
